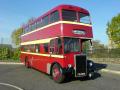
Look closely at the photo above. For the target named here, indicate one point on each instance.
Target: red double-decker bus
(54, 43)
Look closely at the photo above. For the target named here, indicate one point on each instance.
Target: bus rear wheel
(27, 64)
(57, 74)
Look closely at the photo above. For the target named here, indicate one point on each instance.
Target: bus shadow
(96, 75)
(97, 68)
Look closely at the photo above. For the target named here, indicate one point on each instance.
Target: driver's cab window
(56, 46)
(86, 46)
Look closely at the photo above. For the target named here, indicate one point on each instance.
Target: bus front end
(75, 54)
(77, 33)
(80, 67)
(83, 67)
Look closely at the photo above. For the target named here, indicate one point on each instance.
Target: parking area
(17, 77)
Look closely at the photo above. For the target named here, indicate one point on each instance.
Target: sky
(14, 13)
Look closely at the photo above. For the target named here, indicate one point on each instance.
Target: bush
(16, 54)
(8, 53)
(5, 52)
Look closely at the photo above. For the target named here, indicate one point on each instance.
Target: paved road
(30, 79)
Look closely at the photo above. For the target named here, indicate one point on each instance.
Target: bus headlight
(69, 65)
(91, 64)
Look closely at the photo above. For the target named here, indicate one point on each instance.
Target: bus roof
(59, 7)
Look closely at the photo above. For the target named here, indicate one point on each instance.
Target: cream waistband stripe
(37, 41)
(47, 55)
(59, 22)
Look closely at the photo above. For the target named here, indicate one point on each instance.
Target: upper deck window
(50, 18)
(45, 20)
(84, 18)
(69, 15)
(33, 26)
(54, 17)
(39, 24)
(26, 29)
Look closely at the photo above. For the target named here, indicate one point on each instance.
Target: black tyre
(90, 76)
(27, 64)
(57, 74)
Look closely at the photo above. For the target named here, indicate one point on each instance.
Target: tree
(16, 54)
(5, 51)
(98, 45)
(113, 30)
(99, 50)
(16, 36)
(16, 33)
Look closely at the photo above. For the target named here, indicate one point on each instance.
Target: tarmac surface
(17, 77)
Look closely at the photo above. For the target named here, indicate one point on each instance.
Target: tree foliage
(113, 30)
(98, 45)
(16, 54)
(5, 51)
(9, 53)
(17, 32)
(16, 36)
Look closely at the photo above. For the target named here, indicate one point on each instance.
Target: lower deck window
(46, 47)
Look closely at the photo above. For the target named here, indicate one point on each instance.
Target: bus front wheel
(57, 73)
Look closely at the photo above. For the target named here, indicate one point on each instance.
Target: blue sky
(13, 13)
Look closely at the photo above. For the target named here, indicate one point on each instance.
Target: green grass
(9, 60)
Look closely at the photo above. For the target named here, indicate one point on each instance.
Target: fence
(105, 55)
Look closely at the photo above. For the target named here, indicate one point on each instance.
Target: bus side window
(37, 48)
(31, 48)
(58, 46)
(52, 43)
(39, 24)
(27, 48)
(45, 20)
(46, 47)
(33, 26)
(22, 48)
(54, 17)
